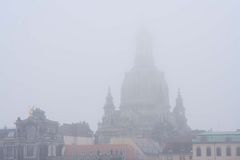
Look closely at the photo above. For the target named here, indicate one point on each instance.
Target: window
(10, 151)
(51, 150)
(29, 150)
(182, 157)
(238, 151)
(209, 153)
(228, 151)
(198, 152)
(1, 152)
(59, 150)
(31, 132)
(219, 151)
(169, 158)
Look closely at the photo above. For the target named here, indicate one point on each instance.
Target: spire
(109, 92)
(144, 49)
(179, 92)
(109, 98)
(179, 104)
(109, 105)
(179, 115)
(179, 100)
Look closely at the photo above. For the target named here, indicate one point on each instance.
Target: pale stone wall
(213, 147)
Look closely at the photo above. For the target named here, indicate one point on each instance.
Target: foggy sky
(61, 56)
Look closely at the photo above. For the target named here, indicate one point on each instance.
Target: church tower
(108, 127)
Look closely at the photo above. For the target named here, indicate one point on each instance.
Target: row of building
(37, 138)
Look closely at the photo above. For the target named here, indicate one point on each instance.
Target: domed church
(144, 101)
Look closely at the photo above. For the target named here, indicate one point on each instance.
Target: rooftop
(218, 137)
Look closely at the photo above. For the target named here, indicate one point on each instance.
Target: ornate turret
(179, 114)
(109, 105)
(179, 108)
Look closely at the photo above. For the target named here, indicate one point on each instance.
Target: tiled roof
(73, 150)
(221, 133)
(148, 146)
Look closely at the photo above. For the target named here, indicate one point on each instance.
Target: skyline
(57, 59)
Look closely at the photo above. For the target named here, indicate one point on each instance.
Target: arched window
(198, 152)
(228, 151)
(219, 151)
(238, 151)
(208, 151)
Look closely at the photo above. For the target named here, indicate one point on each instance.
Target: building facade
(35, 138)
(77, 134)
(217, 146)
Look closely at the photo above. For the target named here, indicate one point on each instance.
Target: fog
(61, 56)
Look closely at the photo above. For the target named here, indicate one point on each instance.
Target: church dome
(144, 86)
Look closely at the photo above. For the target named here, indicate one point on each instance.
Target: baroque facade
(217, 146)
(144, 102)
(35, 138)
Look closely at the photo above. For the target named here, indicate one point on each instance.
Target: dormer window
(11, 134)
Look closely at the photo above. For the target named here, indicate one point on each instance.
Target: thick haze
(61, 56)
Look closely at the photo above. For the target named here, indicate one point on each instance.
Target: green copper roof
(218, 137)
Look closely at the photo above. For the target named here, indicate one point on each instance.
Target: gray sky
(62, 55)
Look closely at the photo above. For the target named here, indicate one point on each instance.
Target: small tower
(179, 108)
(179, 115)
(109, 107)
